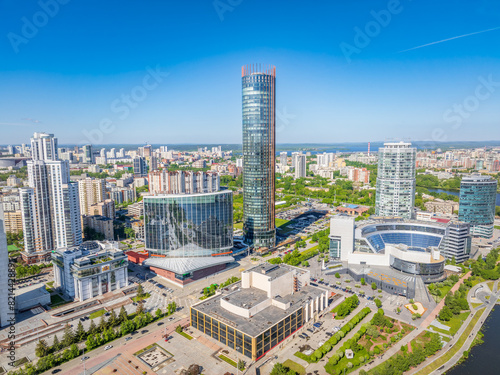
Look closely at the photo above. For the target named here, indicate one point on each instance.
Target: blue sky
(70, 74)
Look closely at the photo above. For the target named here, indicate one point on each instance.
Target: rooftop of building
(274, 270)
(373, 220)
(263, 320)
(187, 264)
(182, 195)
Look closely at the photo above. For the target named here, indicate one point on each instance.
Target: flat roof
(263, 320)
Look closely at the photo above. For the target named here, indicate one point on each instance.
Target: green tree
(140, 291)
(80, 332)
(241, 365)
(92, 328)
(102, 324)
(122, 316)
(56, 345)
(374, 286)
(158, 313)
(113, 319)
(363, 282)
(75, 352)
(337, 275)
(280, 369)
(42, 349)
(68, 336)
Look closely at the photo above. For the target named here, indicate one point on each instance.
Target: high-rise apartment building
(295, 155)
(183, 182)
(477, 204)
(323, 160)
(140, 167)
(259, 145)
(283, 158)
(396, 180)
(300, 168)
(91, 191)
(4, 272)
(88, 157)
(50, 206)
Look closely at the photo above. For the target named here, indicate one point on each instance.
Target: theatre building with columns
(269, 305)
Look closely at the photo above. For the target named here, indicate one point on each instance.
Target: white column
(312, 308)
(80, 289)
(317, 304)
(99, 284)
(306, 308)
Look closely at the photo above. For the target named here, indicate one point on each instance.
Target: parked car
(107, 347)
(128, 338)
(85, 358)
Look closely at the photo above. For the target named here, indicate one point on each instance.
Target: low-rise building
(13, 221)
(270, 304)
(89, 270)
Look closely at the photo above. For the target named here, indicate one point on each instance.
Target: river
(454, 192)
(482, 358)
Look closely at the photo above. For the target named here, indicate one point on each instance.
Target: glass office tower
(189, 225)
(396, 180)
(477, 204)
(259, 145)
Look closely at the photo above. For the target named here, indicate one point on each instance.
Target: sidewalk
(433, 315)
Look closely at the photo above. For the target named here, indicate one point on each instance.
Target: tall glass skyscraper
(477, 204)
(396, 180)
(259, 150)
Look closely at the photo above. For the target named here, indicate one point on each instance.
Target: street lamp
(84, 369)
(237, 361)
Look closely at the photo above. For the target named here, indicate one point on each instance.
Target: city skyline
(404, 82)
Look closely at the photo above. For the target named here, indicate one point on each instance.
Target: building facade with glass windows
(271, 303)
(477, 204)
(259, 153)
(396, 181)
(188, 236)
(90, 270)
(189, 225)
(410, 246)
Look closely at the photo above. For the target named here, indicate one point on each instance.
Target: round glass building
(259, 149)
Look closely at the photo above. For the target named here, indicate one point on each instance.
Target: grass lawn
(300, 370)
(474, 305)
(238, 226)
(228, 360)
(185, 335)
(12, 248)
(456, 322)
(137, 299)
(454, 349)
(280, 222)
(57, 300)
(490, 285)
(97, 314)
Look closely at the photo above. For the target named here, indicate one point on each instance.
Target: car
(107, 347)
(56, 371)
(85, 358)
(170, 319)
(164, 294)
(160, 323)
(82, 319)
(107, 314)
(144, 331)
(128, 338)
